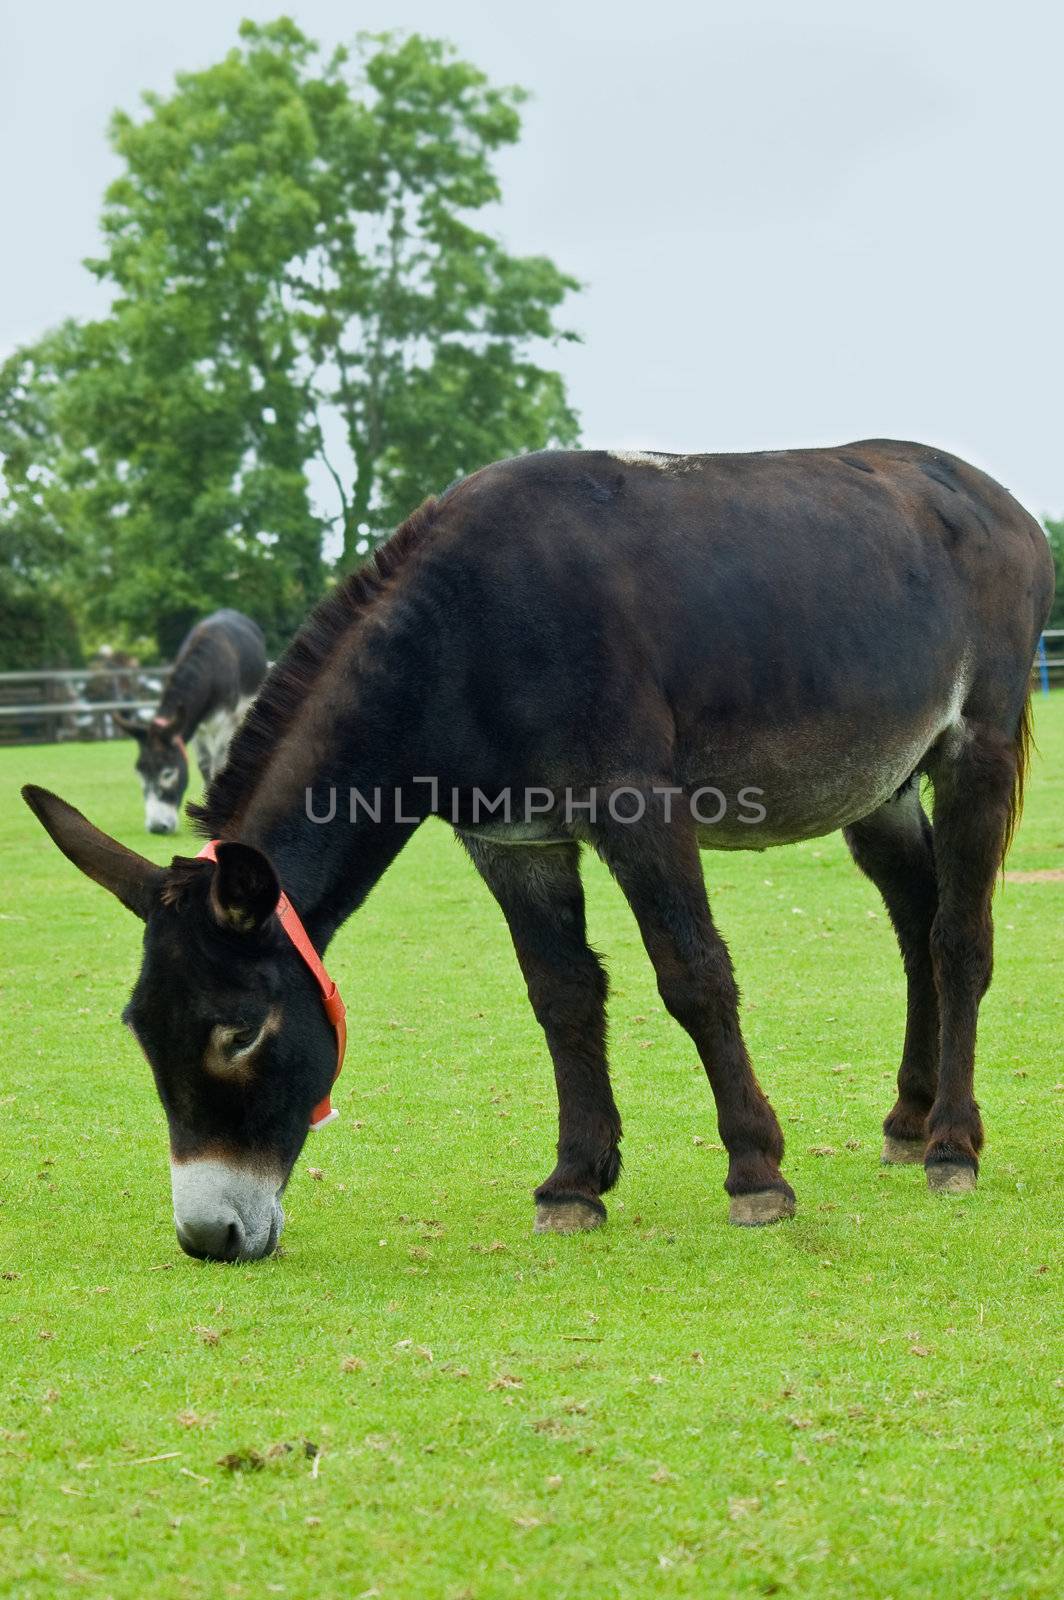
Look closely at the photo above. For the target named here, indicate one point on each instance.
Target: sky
(795, 223)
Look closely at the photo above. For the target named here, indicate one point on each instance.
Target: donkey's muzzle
(160, 816)
(224, 1212)
(212, 1238)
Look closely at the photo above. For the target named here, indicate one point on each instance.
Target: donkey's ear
(168, 727)
(131, 725)
(131, 878)
(244, 890)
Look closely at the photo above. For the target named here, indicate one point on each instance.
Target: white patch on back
(647, 458)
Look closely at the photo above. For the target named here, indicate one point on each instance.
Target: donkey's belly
(783, 788)
(756, 788)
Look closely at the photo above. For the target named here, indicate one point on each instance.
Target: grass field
(861, 1402)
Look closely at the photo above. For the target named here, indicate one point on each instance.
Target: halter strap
(335, 1010)
(175, 739)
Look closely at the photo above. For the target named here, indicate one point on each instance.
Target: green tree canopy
(300, 291)
(34, 543)
(38, 626)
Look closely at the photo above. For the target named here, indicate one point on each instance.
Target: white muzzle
(224, 1212)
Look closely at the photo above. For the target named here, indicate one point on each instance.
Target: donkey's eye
(236, 1042)
(233, 1047)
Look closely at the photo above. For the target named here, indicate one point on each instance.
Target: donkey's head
(162, 767)
(231, 1022)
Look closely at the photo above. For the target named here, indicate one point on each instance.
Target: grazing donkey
(647, 654)
(215, 678)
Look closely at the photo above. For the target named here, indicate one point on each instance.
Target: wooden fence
(47, 706)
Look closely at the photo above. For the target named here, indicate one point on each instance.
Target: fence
(42, 707)
(45, 706)
(1049, 662)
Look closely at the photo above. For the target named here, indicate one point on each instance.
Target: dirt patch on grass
(1043, 875)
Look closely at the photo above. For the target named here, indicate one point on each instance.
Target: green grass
(856, 1403)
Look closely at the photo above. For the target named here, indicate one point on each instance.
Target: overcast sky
(797, 223)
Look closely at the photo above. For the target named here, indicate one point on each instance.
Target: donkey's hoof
(903, 1152)
(758, 1209)
(950, 1177)
(570, 1213)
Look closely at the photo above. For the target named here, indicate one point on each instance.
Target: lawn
(861, 1402)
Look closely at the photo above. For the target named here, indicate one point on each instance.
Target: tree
(311, 217)
(417, 322)
(37, 625)
(297, 279)
(34, 544)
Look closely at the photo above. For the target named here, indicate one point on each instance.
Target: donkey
(615, 637)
(216, 675)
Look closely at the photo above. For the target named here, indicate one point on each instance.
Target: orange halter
(335, 1009)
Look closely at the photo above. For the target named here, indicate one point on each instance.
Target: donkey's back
(812, 623)
(227, 654)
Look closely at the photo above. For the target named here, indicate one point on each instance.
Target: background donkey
(810, 630)
(216, 675)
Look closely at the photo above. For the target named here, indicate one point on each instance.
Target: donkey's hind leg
(975, 781)
(893, 847)
(540, 892)
(657, 864)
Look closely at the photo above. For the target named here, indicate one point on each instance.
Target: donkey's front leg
(656, 862)
(542, 899)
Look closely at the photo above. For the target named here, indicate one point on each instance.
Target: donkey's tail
(1023, 745)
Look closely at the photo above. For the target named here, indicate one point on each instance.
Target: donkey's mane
(284, 693)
